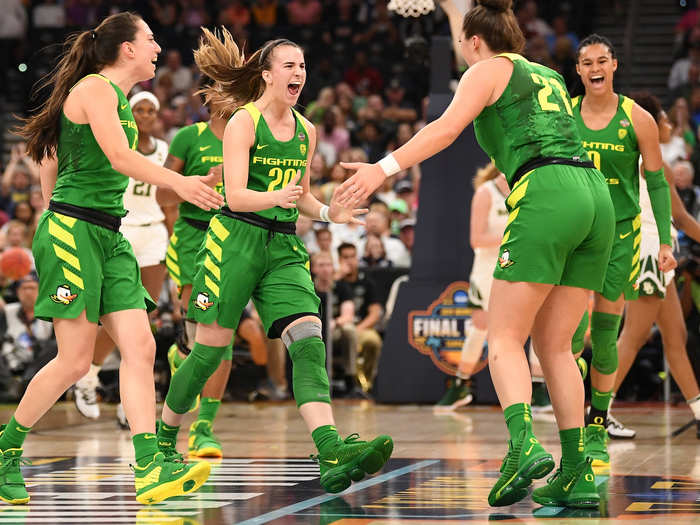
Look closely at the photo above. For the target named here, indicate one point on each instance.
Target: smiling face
(287, 73)
(596, 67)
(142, 51)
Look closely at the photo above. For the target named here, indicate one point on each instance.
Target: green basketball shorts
(83, 266)
(239, 261)
(623, 267)
(559, 230)
(181, 256)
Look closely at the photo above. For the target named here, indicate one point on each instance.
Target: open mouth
(598, 80)
(294, 88)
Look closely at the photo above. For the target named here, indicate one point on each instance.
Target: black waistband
(271, 225)
(195, 223)
(95, 217)
(530, 165)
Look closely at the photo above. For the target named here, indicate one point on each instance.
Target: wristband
(323, 213)
(389, 165)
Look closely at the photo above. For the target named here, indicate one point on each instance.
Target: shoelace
(11, 463)
(90, 395)
(352, 439)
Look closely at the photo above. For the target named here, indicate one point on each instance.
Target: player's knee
(308, 355)
(207, 358)
(604, 331)
(79, 367)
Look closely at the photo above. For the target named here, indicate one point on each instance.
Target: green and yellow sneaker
(202, 442)
(525, 460)
(161, 479)
(351, 459)
(596, 447)
(12, 488)
(574, 489)
(173, 358)
(458, 394)
(168, 446)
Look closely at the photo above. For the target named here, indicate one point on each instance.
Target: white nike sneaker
(85, 394)
(617, 430)
(121, 418)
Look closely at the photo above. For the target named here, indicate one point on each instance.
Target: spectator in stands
(397, 109)
(371, 141)
(360, 75)
(23, 333)
(381, 29)
(16, 235)
(564, 57)
(337, 312)
(317, 169)
(333, 136)
(18, 177)
(181, 76)
(405, 192)
(684, 71)
(304, 12)
(560, 29)
(374, 254)
(49, 15)
(680, 119)
(683, 175)
(530, 23)
(317, 109)
(398, 211)
(377, 224)
(306, 233)
(368, 313)
(342, 27)
(336, 176)
(407, 228)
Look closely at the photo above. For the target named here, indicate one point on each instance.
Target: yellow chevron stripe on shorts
(219, 229)
(66, 256)
(68, 221)
(513, 215)
(505, 238)
(211, 285)
(517, 193)
(61, 234)
(172, 253)
(73, 278)
(635, 272)
(172, 266)
(214, 248)
(212, 267)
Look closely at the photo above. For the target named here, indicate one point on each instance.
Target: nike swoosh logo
(527, 453)
(568, 486)
(625, 235)
(20, 430)
(124, 106)
(332, 462)
(203, 148)
(152, 436)
(261, 146)
(177, 471)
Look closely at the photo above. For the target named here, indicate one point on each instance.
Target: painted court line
(303, 505)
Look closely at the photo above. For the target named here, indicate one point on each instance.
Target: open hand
(367, 178)
(287, 196)
(198, 192)
(342, 214)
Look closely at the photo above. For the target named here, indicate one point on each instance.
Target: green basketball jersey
(200, 150)
(274, 163)
(615, 152)
(85, 175)
(531, 119)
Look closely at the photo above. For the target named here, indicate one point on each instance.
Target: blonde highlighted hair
(485, 174)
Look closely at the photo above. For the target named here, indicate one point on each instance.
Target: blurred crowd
(366, 92)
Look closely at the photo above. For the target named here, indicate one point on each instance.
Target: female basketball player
(251, 250)
(197, 150)
(554, 248)
(144, 228)
(85, 136)
(616, 131)
(486, 226)
(658, 297)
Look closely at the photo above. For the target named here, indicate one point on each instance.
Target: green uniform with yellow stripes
(239, 261)
(82, 266)
(200, 150)
(561, 220)
(615, 152)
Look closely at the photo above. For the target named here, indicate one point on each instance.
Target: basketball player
(615, 131)
(555, 246)
(486, 226)
(251, 250)
(145, 230)
(85, 135)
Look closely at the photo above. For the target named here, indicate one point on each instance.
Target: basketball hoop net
(413, 8)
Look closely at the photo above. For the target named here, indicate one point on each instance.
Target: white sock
(472, 349)
(94, 370)
(695, 406)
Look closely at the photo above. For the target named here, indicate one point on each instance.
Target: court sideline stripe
(303, 505)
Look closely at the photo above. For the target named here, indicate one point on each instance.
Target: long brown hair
(242, 82)
(494, 22)
(84, 53)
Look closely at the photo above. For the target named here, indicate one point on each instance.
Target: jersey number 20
(281, 178)
(545, 92)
